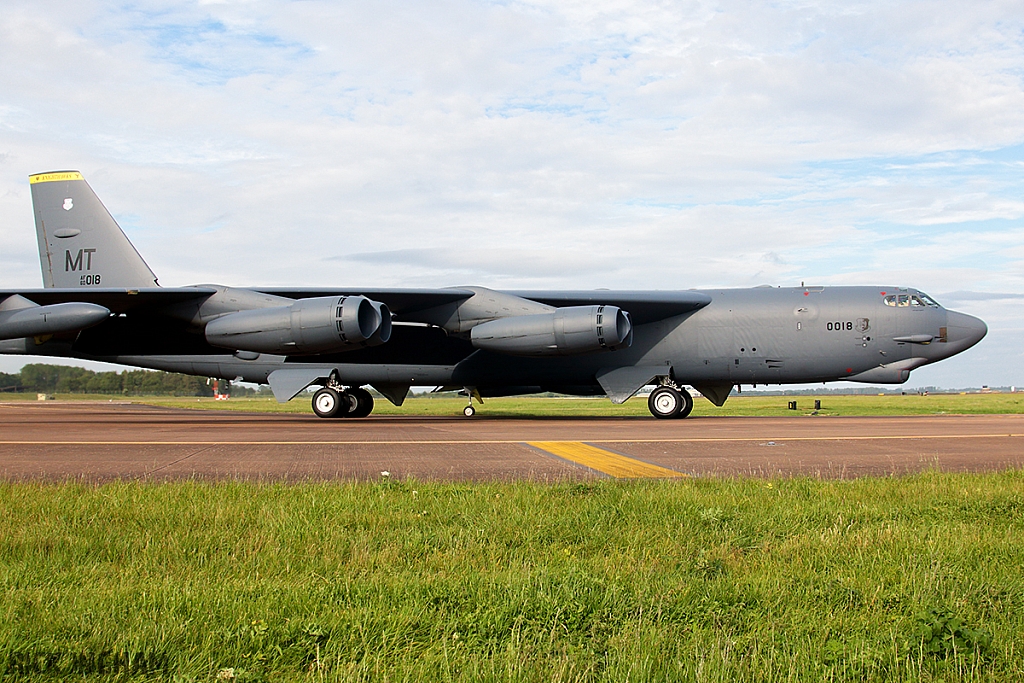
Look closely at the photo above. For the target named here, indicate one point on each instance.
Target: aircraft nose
(963, 331)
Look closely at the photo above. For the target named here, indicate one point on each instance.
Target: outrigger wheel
(470, 392)
(667, 402)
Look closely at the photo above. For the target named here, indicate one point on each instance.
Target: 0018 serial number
(840, 326)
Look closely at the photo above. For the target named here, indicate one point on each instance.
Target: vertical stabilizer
(80, 243)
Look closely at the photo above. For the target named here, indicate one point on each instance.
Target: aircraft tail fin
(80, 243)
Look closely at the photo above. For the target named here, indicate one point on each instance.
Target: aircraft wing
(643, 306)
(400, 301)
(117, 300)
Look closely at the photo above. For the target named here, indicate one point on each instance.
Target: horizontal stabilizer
(118, 300)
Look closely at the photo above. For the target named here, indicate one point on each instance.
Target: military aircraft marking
(54, 177)
(481, 340)
(607, 462)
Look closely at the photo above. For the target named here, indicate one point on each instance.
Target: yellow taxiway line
(607, 462)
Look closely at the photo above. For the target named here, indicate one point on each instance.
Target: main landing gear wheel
(469, 411)
(327, 402)
(364, 402)
(668, 402)
(687, 404)
(348, 404)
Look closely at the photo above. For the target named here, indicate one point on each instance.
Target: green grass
(579, 407)
(744, 405)
(703, 580)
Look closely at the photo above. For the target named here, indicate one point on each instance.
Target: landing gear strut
(668, 402)
(471, 393)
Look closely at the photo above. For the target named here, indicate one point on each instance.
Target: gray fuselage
(764, 335)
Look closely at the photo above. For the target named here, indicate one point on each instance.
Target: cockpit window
(900, 300)
(908, 300)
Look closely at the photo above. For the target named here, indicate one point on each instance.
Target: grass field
(876, 579)
(749, 405)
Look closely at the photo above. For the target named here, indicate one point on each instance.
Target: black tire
(469, 411)
(687, 404)
(364, 402)
(326, 403)
(665, 403)
(347, 404)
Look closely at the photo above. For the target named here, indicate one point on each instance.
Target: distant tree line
(63, 379)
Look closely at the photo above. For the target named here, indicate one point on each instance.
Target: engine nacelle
(319, 325)
(30, 320)
(564, 331)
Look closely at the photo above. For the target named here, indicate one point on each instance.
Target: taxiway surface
(105, 441)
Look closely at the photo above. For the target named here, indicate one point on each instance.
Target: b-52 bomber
(101, 302)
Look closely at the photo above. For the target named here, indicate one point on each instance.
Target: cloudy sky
(569, 144)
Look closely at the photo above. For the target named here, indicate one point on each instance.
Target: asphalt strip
(382, 442)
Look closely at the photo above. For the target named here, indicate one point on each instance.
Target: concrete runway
(105, 441)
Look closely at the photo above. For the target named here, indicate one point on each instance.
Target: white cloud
(619, 144)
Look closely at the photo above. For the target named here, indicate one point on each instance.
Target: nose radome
(964, 331)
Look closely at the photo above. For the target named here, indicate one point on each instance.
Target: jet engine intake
(318, 325)
(563, 332)
(383, 332)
